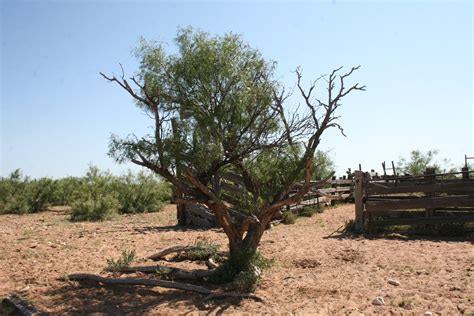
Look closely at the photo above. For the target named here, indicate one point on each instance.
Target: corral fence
(413, 200)
(335, 190)
(230, 186)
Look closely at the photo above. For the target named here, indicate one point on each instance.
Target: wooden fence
(412, 200)
(335, 190)
(231, 186)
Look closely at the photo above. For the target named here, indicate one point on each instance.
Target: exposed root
(161, 283)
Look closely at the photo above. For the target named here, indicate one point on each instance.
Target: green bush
(96, 196)
(97, 209)
(66, 190)
(20, 195)
(142, 193)
(243, 270)
(288, 217)
(39, 194)
(124, 261)
(309, 211)
(202, 250)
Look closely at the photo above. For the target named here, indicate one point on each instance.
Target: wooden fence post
(359, 200)
(431, 179)
(465, 173)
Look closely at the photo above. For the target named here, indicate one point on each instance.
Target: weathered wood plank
(424, 220)
(434, 202)
(359, 198)
(465, 187)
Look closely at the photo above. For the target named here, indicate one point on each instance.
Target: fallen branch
(211, 264)
(21, 306)
(175, 249)
(138, 281)
(161, 283)
(174, 273)
(233, 294)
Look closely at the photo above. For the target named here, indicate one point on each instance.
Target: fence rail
(428, 199)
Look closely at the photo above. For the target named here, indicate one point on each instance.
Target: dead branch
(161, 283)
(20, 305)
(138, 281)
(233, 294)
(211, 264)
(174, 273)
(175, 249)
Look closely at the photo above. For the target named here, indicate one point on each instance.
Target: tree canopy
(217, 108)
(418, 161)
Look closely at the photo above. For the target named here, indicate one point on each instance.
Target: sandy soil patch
(314, 273)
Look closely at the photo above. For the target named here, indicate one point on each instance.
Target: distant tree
(418, 161)
(323, 166)
(217, 108)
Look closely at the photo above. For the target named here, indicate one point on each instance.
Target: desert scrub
(201, 250)
(309, 211)
(20, 195)
(94, 209)
(243, 270)
(142, 193)
(127, 257)
(288, 217)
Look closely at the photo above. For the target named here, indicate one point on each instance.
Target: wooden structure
(230, 185)
(335, 190)
(412, 200)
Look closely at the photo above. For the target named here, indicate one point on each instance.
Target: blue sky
(57, 113)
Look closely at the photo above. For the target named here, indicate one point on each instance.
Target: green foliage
(66, 190)
(203, 250)
(95, 209)
(128, 256)
(246, 281)
(20, 195)
(141, 193)
(288, 217)
(97, 196)
(243, 269)
(323, 166)
(220, 83)
(309, 211)
(418, 161)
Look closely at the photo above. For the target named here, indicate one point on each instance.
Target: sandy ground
(314, 272)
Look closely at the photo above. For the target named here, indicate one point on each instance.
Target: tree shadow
(408, 235)
(87, 298)
(175, 228)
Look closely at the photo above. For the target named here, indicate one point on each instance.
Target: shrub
(39, 194)
(203, 250)
(66, 190)
(243, 269)
(142, 193)
(95, 209)
(309, 211)
(122, 262)
(20, 195)
(288, 217)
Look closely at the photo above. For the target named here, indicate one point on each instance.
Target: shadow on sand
(87, 298)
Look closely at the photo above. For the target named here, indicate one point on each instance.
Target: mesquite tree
(217, 108)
